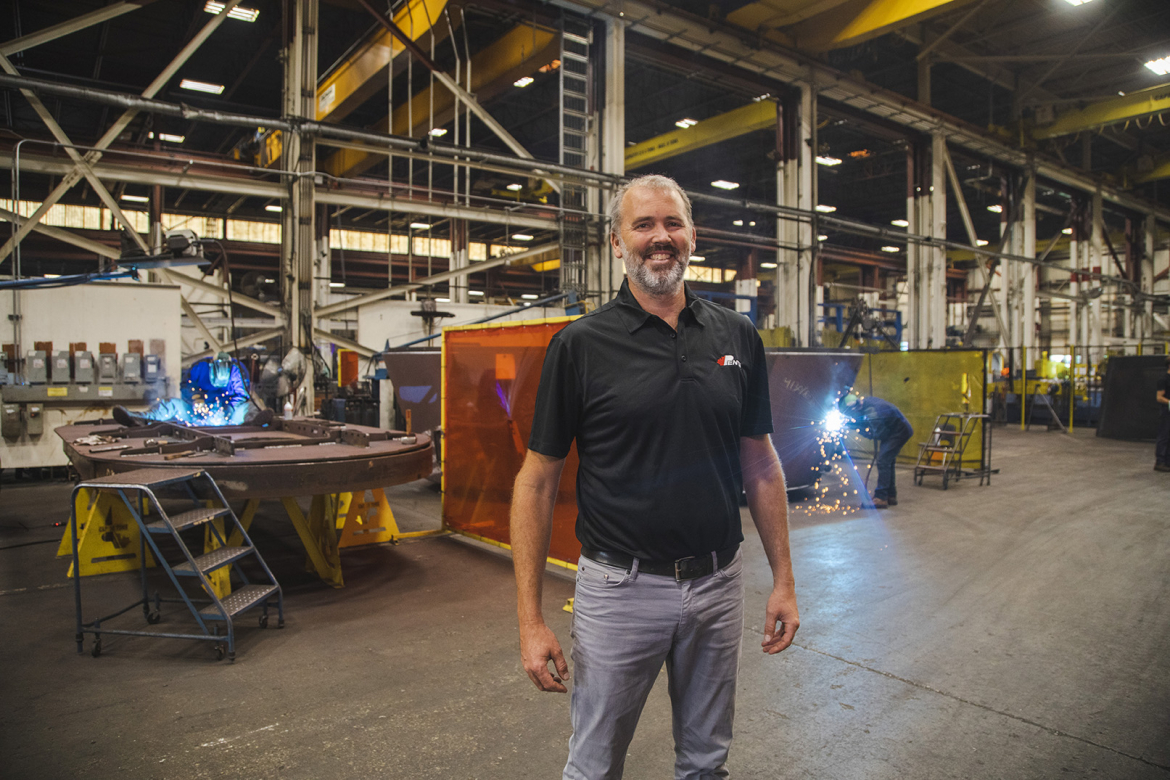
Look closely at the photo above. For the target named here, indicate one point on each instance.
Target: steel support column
(1146, 269)
(1096, 263)
(1028, 273)
(795, 189)
(934, 258)
(607, 276)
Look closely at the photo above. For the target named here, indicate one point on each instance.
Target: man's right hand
(539, 645)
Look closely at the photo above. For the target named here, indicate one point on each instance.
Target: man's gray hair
(652, 181)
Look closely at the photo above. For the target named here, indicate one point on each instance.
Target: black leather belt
(682, 569)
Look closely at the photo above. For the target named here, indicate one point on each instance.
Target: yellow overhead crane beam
(1161, 170)
(740, 121)
(363, 73)
(1135, 105)
(821, 26)
(521, 52)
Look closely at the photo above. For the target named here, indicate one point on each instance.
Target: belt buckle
(678, 569)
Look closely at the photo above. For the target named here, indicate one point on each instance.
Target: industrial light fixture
(995, 208)
(685, 123)
(891, 249)
(521, 237)
(822, 237)
(530, 297)
(767, 265)
(443, 300)
(239, 12)
(168, 137)
(980, 242)
(420, 226)
(1161, 67)
(826, 209)
(337, 284)
(1067, 231)
(725, 185)
(899, 223)
(522, 82)
(201, 86)
(475, 292)
(751, 224)
(52, 276)
(738, 223)
(439, 132)
(829, 161)
(515, 187)
(697, 259)
(764, 96)
(273, 207)
(136, 198)
(1077, 2)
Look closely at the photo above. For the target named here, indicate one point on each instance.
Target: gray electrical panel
(10, 422)
(131, 368)
(34, 424)
(36, 370)
(59, 368)
(83, 368)
(152, 368)
(107, 367)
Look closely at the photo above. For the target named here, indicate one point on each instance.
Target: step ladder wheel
(220, 651)
(153, 618)
(264, 620)
(97, 646)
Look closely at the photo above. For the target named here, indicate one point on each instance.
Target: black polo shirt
(657, 415)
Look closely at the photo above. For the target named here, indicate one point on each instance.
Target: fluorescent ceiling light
(420, 226)
(521, 237)
(1077, 2)
(829, 161)
(725, 185)
(136, 198)
(239, 12)
(980, 242)
(523, 82)
(738, 223)
(751, 224)
(529, 297)
(899, 223)
(201, 86)
(767, 265)
(826, 209)
(697, 258)
(685, 123)
(764, 96)
(475, 292)
(822, 238)
(1161, 67)
(443, 300)
(439, 132)
(515, 187)
(274, 207)
(337, 284)
(891, 249)
(52, 276)
(995, 208)
(169, 137)
(1067, 231)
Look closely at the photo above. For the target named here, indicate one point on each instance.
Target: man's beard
(664, 282)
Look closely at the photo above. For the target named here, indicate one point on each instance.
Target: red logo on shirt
(728, 360)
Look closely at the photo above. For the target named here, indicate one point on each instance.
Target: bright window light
(239, 12)
(1161, 67)
(439, 132)
(475, 292)
(697, 259)
(980, 242)
(899, 223)
(274, 208)
(521, 237)
(530, 297)
(515, 187)
(738, 223)
(685, 123)
(826, 209)
(822, 237)
(523, 82)
(201, 86)
(995, 208)
(1067, 231)
(337, 284)
(829, 161)
(136, 198)
(420, 226)
(767, 265)
(725, 185)
(891, 249)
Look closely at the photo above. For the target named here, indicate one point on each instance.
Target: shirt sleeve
(756, 416)
(558, 403)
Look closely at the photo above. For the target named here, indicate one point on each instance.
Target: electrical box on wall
(59, 368)
(107, 367)
(83, 368)
(34, 423)
(11, 423)
(131, 368)
(36, 370)
(152, 369)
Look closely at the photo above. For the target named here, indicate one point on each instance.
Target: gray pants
(625, 626)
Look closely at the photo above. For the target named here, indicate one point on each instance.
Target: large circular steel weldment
(297, 457)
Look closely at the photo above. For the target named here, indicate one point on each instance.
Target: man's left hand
(781, 609)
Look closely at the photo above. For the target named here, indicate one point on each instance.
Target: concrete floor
(1020, 630)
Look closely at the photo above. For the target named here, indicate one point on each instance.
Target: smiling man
(666, 396)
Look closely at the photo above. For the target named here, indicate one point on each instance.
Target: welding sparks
(837, 490)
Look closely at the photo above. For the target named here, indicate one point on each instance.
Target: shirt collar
(634, 316)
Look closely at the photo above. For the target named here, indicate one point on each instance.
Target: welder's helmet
(221, 370)
(848, 401)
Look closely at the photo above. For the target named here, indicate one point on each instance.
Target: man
(1162, 448)
(666, 396)
(881, 421)
(215, 393)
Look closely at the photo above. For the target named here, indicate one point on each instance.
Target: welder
(215, 393)
(880, 421)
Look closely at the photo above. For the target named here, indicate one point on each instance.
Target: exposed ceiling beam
(66, 236)
(47, 34)
(740, 121)
(1135, 105)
